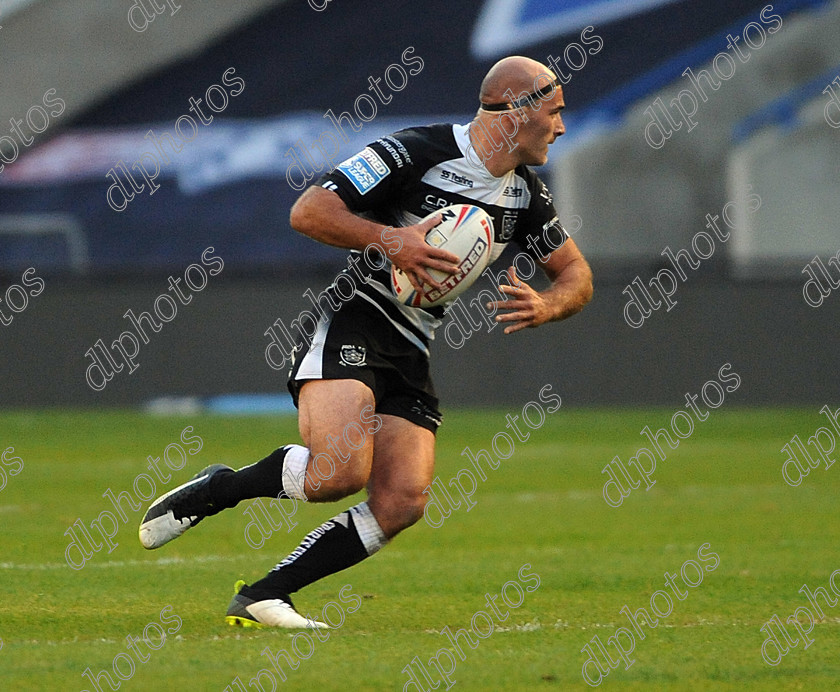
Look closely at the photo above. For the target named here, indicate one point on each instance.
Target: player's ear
(512, 121)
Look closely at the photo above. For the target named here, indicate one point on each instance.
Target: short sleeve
(370, 178)
(540, 231)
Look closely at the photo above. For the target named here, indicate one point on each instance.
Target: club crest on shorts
(353, 355)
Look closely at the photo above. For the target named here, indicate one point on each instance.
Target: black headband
(528, 99)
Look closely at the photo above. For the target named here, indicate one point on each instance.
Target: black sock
(332, 547)
(262, 479)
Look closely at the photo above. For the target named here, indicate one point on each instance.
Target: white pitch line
(237, 634)
(160, 562)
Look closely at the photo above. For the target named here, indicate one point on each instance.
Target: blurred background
(86, 82)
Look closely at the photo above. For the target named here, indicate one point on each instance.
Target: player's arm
(570, 290)
(323, 216)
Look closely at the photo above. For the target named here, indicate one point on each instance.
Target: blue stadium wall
(229, 185)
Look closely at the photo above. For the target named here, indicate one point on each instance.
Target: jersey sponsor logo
(511, 191)
(365, 170)
(393, 152)
(505, 26)
(457, 179)
(433, 202)
(353, 355)
(399, 145)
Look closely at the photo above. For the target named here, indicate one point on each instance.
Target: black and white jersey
(399, 179)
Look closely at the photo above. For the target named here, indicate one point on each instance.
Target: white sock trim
(294, 471)
(369, 530)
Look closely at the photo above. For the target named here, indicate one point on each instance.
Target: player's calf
(329, 483)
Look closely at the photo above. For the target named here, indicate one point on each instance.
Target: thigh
(403, 466)
(337, 423)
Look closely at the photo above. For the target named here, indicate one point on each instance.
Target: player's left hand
(528, 307)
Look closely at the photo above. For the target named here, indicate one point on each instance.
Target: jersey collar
(462, 139)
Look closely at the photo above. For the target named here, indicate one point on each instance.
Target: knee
(413, 510)
(397, 511)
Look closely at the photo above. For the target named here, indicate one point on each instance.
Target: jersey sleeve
(540, 232)
(372, 177)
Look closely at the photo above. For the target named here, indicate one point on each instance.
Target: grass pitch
(542, 507)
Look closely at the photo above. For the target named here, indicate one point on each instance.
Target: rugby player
(368, 362)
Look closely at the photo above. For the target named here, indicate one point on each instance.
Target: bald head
(516, 74)
(521, 101)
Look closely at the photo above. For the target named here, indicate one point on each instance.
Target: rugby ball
(466, 231)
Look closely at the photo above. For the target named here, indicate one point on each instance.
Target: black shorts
(357, 342)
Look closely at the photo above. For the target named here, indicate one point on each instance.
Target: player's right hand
(415, 256)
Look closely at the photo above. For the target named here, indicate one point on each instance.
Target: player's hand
(415, 257)
(528, 308)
